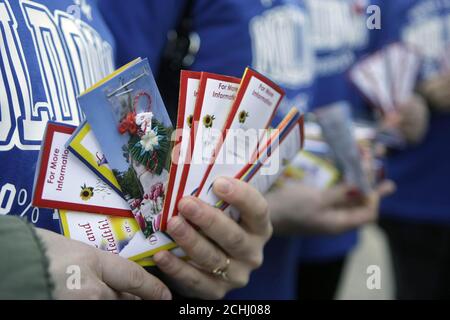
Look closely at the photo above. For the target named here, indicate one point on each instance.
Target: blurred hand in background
(411, 120)
(299, 209)
(437, 92)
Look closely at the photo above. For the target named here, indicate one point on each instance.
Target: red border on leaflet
(205, 76)
(38, 201)
(248, 75)
(184, 79)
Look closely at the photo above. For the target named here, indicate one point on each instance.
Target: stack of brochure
(321, 164)
(387, 80)
(117, 178)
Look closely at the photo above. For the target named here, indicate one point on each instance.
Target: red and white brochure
(403, 64)
(285, 151)
(271, 165)
(216, 94)
(189, 85)
(371, 77)
(256, 104)
(387, 78)
(64, 182)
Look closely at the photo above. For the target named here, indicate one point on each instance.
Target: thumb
(125, 276)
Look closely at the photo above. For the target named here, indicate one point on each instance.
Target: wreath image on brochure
(148, 152)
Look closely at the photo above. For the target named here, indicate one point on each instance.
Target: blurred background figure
(339, 37)
(417, 217)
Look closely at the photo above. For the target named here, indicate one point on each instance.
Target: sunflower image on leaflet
(86, 193)
(208, 121)
(243, 115)
(189, 120)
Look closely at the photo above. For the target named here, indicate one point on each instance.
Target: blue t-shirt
(340, 36)
(233, 34)
(420, 172)
(49, 52)
(272, 36)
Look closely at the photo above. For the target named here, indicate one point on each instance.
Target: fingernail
(189, 208)
(223, 186)
(176, 227)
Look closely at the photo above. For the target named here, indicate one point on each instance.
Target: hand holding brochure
(387, 79)
(117, 178)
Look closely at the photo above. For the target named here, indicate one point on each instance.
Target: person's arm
(23, 264)
(230, 249)
(40, 264)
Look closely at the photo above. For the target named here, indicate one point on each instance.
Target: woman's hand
(415, 118)
(437, 92)
(223, 252)
(102, 275)
(299, 209)
(411, 120)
